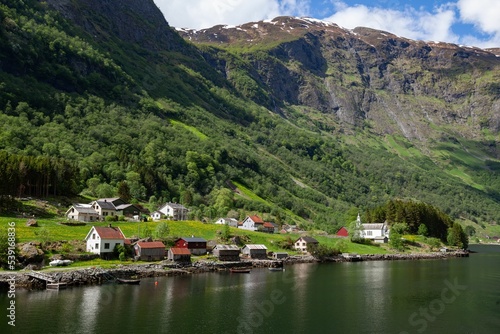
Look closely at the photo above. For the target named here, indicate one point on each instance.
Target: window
(368, 232)
(106, 245)
(93, 235)
(96, 246)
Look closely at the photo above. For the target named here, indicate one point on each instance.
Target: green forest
(83, 115)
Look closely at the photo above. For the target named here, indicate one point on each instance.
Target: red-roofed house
(342, 232)
(255, 223)
(150, 251)
(103, 240)
(179, 254)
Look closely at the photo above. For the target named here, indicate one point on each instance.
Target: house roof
(254, 246)
(373, 226)
(180, 251)
(174, 206)
(227, 247)
(84, 208)
(228, 219)
(151, 244)
(269, 225)
(124, 206)
(107, 232)
(193, 239)
(256, 219)
(106, 205)
(309, 240)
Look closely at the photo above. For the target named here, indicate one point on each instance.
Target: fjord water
(458, 295)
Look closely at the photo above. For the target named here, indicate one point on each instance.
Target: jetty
(50, 282)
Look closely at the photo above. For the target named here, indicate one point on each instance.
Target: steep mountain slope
(302, 121)
(364, 75)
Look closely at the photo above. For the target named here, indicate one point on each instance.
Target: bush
(321, 252)
(111, 218)
(395, 241)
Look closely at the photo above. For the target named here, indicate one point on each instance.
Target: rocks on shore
(97, 275)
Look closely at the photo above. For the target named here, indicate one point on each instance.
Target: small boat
(128, 281)
(56, 263)
(240, 270)
(276, 269)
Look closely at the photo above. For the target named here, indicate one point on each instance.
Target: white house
(372, 231)
(302, 242)
(106, 206)
(227, 221)
(102, 240)
(252, 223)
(156, 215)
(82, 212)
(100, 209)
(174, 211)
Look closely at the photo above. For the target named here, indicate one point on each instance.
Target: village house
(302, 243)
(197, 246)
(255, 223)
(342, 232)
(255, 251)
(227, 252)
(100, 209)
(227, 221)
(82, 213)
(174, 211)
(181, 255)
(156, 215)
(372, 231)
(103, 240)
(149, 251)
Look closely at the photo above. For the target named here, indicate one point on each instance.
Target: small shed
(255, 251)
(280, 255)
(227, 252)
(197, 246)
(179, 254)
(150, 251)
(342, 232)
(380, 240)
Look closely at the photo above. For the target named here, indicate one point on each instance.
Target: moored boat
(276, 269)
(128, 281)
(240, 270)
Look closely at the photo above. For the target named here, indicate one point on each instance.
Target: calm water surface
(430, 296)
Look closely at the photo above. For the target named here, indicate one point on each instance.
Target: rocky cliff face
(139, 22)
(368, 77)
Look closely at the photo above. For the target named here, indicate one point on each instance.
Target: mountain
(293, 118)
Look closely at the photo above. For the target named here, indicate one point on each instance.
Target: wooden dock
(50, 282)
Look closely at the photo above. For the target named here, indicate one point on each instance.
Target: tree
(422, 230)
(162, 231)
(395, 240)
(457, 237)
(124, 191)
(470, 230)
(146, 232)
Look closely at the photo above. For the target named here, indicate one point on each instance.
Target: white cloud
(410, 23)
(485, 14)
(198, 14)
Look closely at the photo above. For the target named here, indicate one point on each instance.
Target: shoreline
(97, 275)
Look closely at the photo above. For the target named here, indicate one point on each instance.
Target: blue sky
(464, 22)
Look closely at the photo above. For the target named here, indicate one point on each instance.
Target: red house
(197, 246)
(342, 232)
